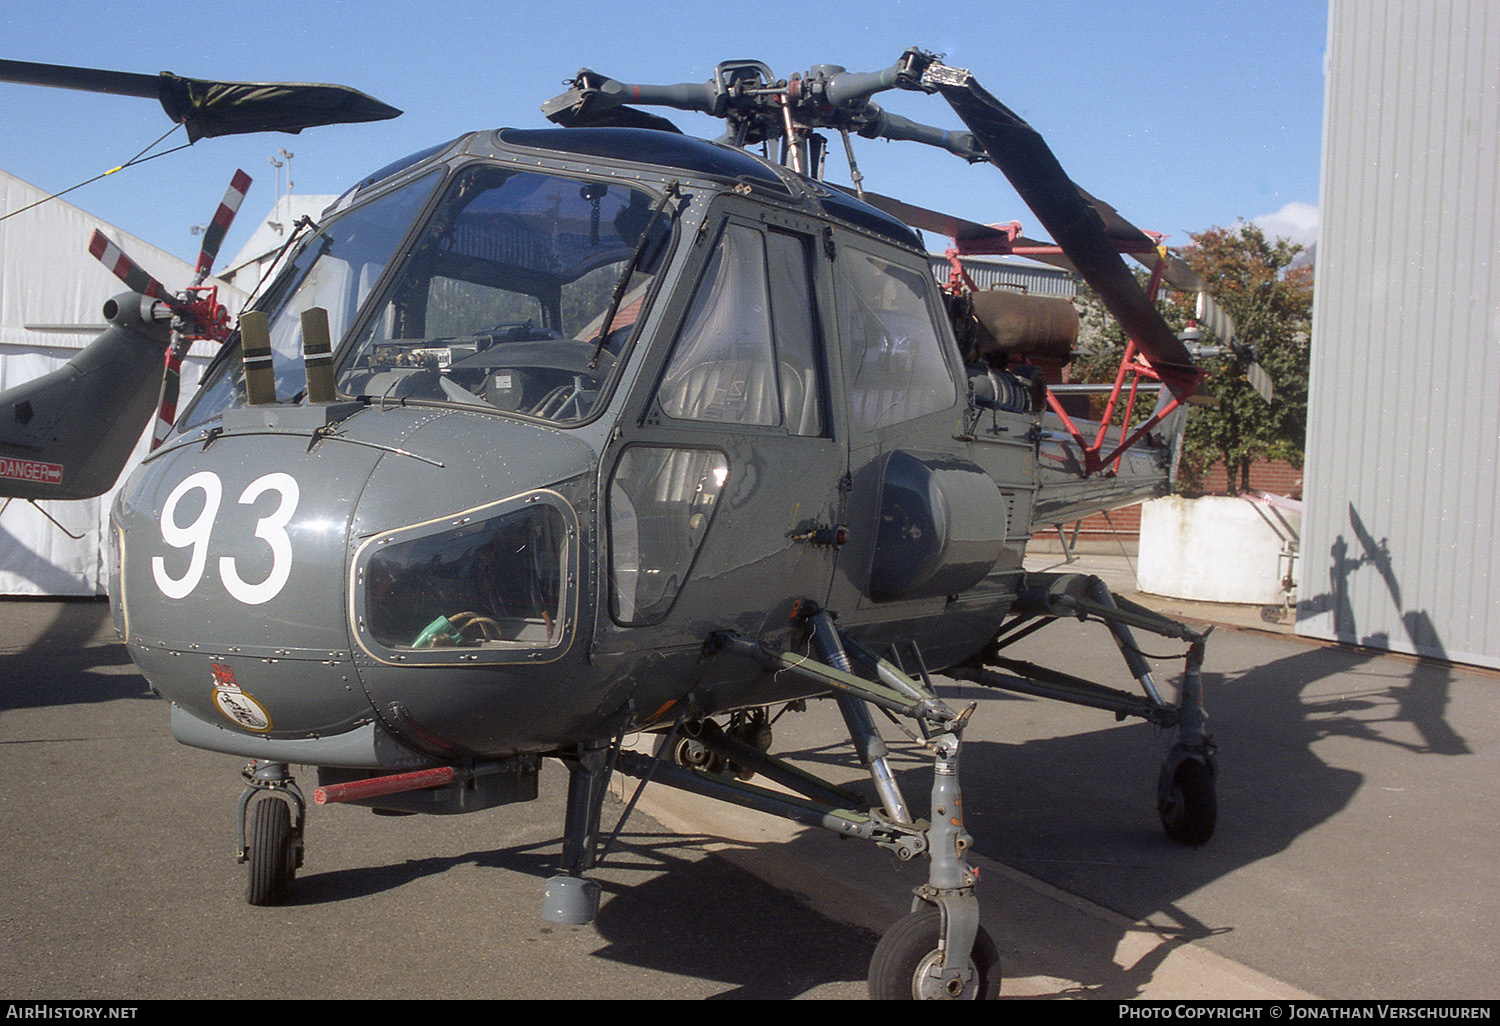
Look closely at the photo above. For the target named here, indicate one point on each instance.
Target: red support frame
(1133, 364)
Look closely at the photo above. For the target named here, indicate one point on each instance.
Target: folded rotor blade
(213, 235)
(971, 236)
(1179, 275)
(209, 108)
(1065, 211)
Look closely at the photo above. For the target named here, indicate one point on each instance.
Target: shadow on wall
(1428, 685)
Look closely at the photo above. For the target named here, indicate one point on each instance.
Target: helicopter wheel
(272, 853)
(1191, 806)
(909, 950)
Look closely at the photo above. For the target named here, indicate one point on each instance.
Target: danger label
(31, 470)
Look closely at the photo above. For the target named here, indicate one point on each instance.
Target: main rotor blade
(210, 108)
(970, 235)
(1024, 157)
(89, 80)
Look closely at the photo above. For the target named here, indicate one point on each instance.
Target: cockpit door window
(895, 364)
(746, 353)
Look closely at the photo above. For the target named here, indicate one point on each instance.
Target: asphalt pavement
(1355, 854)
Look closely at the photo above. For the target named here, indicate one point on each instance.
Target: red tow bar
(376, 786)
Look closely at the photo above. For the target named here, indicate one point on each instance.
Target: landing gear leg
(570, 897)
(272, 815)
(940, 951)
(1185, 790)
(1185, 795)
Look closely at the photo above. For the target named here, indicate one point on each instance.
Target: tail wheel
(908, 953)
(1191, 806)
(272, 853)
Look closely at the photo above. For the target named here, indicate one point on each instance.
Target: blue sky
(1184, 116)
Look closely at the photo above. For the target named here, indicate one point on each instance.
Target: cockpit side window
(798, 347)
(747, 352)
(895, 363)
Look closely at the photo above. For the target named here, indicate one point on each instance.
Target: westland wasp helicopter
(547, 437)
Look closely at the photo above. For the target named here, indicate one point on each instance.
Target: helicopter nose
(229, 580)
(286, 583)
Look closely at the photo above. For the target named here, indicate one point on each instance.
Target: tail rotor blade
(1259, 379)
(127, 270)
(213, 236)
(171, 389)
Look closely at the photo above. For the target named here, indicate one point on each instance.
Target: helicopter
(543, 438)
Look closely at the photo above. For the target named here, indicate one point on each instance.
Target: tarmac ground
(1354, 858)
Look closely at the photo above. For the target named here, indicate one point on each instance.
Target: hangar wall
(1399, 546)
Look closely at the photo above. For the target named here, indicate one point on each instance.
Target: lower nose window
(490, 585)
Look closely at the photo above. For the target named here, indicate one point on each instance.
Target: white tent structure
(51, 295)
(261, 251)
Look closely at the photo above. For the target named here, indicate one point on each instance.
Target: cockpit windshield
(336, 269)
(519, 296)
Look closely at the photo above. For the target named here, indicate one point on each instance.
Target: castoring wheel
(272, 853)
(1190, 807)
(899, 970)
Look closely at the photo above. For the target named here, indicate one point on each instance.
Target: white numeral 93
(270, 529)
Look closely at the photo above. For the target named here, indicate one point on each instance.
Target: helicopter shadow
(666, 908)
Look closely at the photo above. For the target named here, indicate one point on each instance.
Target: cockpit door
(725, 480)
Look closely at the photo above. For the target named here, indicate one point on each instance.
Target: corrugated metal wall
(1399, 539)
(991, 273)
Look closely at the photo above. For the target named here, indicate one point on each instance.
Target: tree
(1270, 302)
(1252, 279)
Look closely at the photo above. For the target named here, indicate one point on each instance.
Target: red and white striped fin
(127, 270)
(213, 235)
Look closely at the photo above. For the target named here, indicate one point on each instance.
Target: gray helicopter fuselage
(602, 393)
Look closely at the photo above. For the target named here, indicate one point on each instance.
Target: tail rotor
(197, 312)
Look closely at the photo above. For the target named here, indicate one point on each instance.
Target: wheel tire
(911, 946)
(1189, 812)
(272, 853)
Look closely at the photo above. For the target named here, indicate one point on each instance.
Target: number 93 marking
(270, 529)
